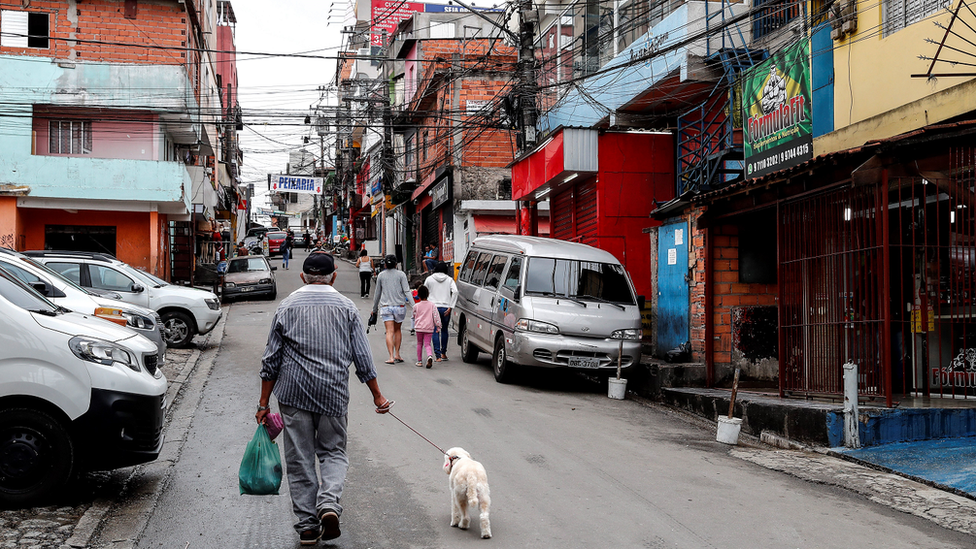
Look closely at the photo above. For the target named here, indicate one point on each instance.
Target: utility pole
(528, 88)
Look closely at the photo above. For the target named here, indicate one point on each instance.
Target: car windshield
(154, 280)
(247, 265)
(25, 297)
(578, 279)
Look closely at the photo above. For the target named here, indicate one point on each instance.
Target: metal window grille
(70, 137)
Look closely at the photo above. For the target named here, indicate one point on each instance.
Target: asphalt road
(568, 467)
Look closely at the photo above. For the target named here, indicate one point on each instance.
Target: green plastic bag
(260, 472)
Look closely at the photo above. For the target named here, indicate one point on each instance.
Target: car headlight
(629, 333)
(265, 281)
(102, 352)
(213, 304)
(136, 320)
(229, 285)
(529, 325)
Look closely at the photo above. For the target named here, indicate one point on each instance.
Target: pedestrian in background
(426, 322)
(443, 294)
(308, 240)
(285, 249)
(290, 239)
(315, 334)
(392, 296)
(365, 265)
(242, 249)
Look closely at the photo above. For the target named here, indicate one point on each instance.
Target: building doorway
(80, 238)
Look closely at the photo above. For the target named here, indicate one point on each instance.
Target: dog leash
(415, 431)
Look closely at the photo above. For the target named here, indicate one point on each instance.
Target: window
(106, 278)
(898, 14)
(468, 268)
(480, 269)
(70, 137)
(71, 271)
(22, 29)
(514, 275)
(495, 271)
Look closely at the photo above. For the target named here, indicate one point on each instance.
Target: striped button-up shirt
(315, 335)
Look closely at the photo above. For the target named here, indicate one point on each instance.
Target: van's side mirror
(42, 288)
(137, 288)
(274, 268)
(641, 301)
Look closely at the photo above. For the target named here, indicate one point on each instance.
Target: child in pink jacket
(426, 321)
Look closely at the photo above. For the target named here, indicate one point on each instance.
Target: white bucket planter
(617, 388)
(728, 430)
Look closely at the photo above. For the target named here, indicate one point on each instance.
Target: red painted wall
(635, 171)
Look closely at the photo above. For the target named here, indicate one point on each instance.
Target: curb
(142, 501)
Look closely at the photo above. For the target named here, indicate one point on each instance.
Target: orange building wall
(11, 229)
(139, 236)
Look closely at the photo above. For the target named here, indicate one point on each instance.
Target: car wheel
(36, 456)
(504, 370)
(469, 353)
(178, 329)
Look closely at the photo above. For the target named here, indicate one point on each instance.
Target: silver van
(546, 303)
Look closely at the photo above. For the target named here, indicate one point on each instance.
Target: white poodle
(469, 488)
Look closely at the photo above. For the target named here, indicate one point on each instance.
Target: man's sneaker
(330, 524)
(310, 536)
(430, 361)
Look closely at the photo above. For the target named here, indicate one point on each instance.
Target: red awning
(503, 224)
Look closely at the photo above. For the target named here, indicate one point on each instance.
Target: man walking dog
(315, 335)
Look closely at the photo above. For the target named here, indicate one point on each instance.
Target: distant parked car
(275, 240)
(185, 312)
(250, 275)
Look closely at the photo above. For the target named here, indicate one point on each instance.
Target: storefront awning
(502, 224)
(568, 154)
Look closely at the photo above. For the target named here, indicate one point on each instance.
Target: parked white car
(69, 295)
(76, 393)
(185, 312)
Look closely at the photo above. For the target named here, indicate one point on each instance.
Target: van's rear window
(578, 279)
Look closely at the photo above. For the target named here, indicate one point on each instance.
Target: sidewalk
(948, 463)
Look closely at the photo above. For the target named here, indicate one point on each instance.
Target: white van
(546, 303)
(76, 393)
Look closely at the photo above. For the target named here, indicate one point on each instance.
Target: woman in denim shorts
(390, 300)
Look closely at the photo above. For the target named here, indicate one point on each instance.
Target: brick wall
(728, 292)
(160, 24)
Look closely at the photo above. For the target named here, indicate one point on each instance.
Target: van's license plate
(583, 362)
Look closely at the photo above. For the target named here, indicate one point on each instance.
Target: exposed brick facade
(98, 30)
(728, 292)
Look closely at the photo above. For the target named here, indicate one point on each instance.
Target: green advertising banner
(776, 114)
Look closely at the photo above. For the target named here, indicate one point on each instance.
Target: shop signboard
(387, 14)
(776, 112)
(296, 184)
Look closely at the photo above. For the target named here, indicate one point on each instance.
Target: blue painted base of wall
(822, 424)
(887, 425)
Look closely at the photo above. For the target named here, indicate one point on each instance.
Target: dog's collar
(451, 460)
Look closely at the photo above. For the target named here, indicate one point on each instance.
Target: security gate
(882, 275)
